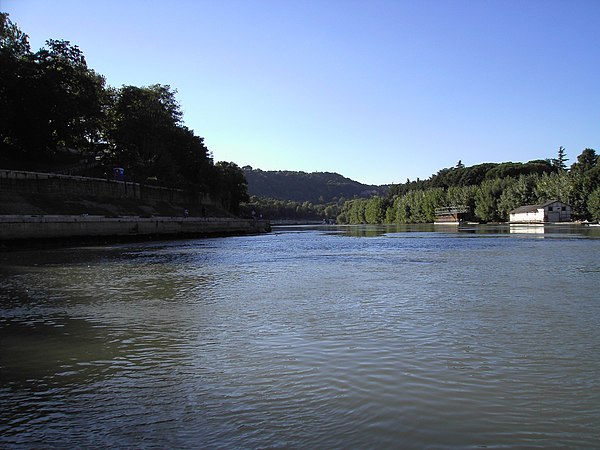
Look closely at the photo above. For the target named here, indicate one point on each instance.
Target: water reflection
(527, 229)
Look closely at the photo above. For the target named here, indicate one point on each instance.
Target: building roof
(533, 208)
(525, 209)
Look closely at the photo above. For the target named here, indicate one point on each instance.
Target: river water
(308, 337)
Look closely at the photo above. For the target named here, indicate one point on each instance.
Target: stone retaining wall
(64, 227)
(12, 181)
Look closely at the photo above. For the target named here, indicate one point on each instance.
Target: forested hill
(316, 187)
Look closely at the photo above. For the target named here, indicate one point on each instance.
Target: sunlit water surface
(325, 337)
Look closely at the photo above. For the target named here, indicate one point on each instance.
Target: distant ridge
(315, 187)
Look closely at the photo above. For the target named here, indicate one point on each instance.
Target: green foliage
(375, 210)
(594, 204)
(355, 210)
(402, 206)
(517, 192)
(561, 159)
(486, 199)
(555, 186)
(461, 196)
(586, 161)
(489, 191)
(275, 209)
(461, 176)
(233, 188)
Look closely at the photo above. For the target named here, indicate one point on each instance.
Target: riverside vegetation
(489, 190)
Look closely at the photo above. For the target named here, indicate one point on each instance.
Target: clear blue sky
(379, 91)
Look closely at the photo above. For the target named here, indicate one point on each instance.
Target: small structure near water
(551, 211)
(451, 215)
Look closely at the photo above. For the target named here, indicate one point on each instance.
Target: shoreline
(17, 231)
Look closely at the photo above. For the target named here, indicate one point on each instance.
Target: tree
(233, 187)
(74, 94)
(192, 160)
(354, 211)
(586, 161)
(49, 100)
(517, 192)
(561, 159)
(486, 199)
(146, 123)
(594, 204)
(403, 209)
(461, 196)
(375, 210)
(432, 199)
(554, 186)
(12, 40)
(331, 211)
(585, 178)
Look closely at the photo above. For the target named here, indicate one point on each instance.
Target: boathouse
(451, 215)
(551, 211)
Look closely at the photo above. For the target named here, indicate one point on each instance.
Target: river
(308, 337)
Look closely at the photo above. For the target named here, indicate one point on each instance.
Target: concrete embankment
(28, 230)
(32, 193)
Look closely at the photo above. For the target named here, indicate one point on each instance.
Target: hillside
(316, 187)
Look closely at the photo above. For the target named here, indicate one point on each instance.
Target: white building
(552, 211)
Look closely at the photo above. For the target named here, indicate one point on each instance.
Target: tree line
(274, 209)
(489, 191)
(57, 112)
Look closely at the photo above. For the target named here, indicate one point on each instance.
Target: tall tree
(588, 159)
(561, 159)
(233, 187)
(145, 121)
(74, 97)
(48, 100)
(12, 40)
(375, 210)
(585, 178)
(486, 199)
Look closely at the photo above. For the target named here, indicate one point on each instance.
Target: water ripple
(303, 340)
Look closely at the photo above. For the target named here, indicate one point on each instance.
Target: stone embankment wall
(64, 227)
(19, 182)
(39, 206)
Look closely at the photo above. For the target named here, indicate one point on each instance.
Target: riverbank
(38, 208)
(23, 230)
